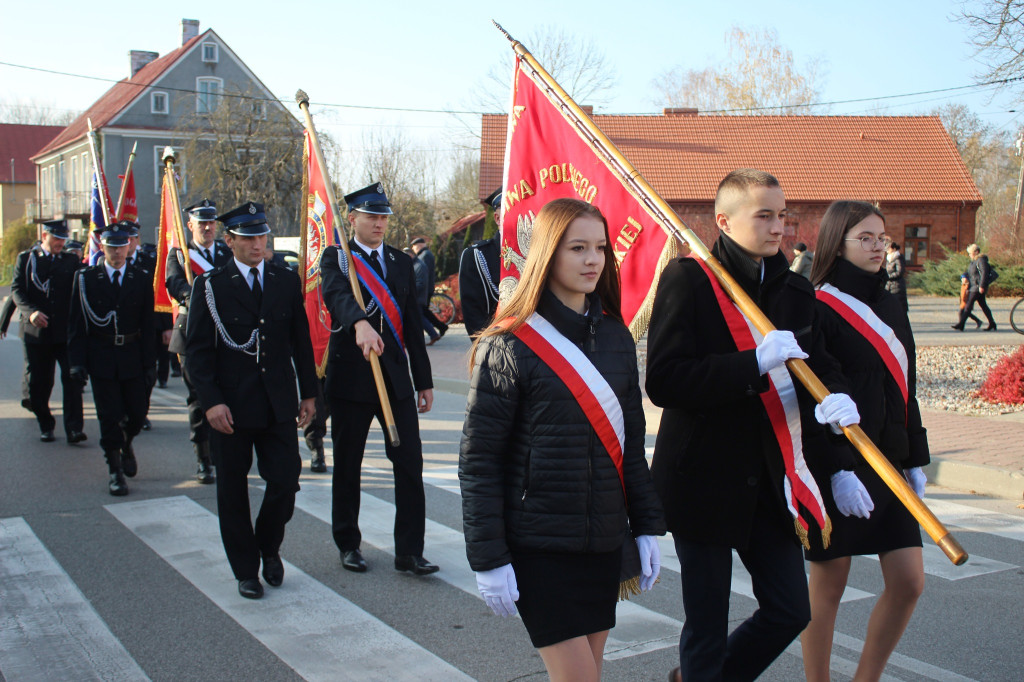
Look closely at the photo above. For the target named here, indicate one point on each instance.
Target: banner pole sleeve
(124, 183)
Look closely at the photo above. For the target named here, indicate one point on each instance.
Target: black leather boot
(117, 486)
(316, 461)
(129, 464)
(204, 464)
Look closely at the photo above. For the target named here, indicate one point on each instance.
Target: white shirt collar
(244, 269)
(110, 271)
(379, 250)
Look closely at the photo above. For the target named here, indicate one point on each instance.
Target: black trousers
(706, 649)
(350, 424)
(40, 363)
(278, 463)
(198, 428)
(316, 429)
(119, 401)
(975, 296)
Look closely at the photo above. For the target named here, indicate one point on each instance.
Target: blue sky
(432, 55)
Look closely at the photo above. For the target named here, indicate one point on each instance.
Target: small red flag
(318, 235)
(129, 209)
(546, 158)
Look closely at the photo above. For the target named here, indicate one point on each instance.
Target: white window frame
(152, 103)
(216, 53)
(203, 107)
(262, 113)
(158, 169)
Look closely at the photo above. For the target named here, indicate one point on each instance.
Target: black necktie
(375, 263)
(206, 252)
(117, 280)
(256, 289)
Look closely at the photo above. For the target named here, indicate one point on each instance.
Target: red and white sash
(198, 262)
(880, 335)
(577, 372)
(780, 402)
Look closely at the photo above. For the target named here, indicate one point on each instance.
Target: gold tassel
(628, 588)
(638, 327)
(802, 534)
(826, 533)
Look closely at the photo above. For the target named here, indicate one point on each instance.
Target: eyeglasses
(869, 242)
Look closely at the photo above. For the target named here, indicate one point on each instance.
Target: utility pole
(1020, 189)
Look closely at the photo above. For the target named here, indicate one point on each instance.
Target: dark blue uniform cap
(204, 210)
(371, 199)
(58, 228)
(494, 199)
(131, 227)
(248, 220)
(115, 235)
(72, 244)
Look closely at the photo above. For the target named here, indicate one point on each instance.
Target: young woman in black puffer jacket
(544, 508)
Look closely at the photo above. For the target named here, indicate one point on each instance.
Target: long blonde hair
(549, 227)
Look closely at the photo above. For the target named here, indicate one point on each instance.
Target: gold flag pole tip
(948, 544)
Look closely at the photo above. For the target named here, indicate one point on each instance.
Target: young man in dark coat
(718, 462)
(110, 340)
(397, 338)
(41, 289)
(478, 276)
(247, 341)
(204, 253)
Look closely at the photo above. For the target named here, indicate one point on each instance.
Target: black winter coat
(899, 435)
(715, 451)
(534, 474)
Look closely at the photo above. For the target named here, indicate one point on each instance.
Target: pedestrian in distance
(41, 290)
(556, 488)
(479, 276)
(112, 344)
(802, 260)
(866, 329)
(247, 343)
(895, 273)
(965, 286)
(980, 275)
(737, 433)
(434, 327)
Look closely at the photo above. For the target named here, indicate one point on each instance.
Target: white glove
(837, 409)
(850, 495)
(778, 346)
(650, 560)
(499, 590)
(917, 479)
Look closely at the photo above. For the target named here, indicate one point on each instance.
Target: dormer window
(210, 52)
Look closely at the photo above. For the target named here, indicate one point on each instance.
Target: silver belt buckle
(118, 339)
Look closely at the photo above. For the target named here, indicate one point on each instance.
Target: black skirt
(563, 595)
(891, 526)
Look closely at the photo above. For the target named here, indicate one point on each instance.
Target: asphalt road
(96, 587)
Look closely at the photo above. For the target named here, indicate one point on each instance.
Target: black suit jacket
(348, 373)
(478, 299)
(59, 271)
(253, 387)
(179, 288)
(89, 346)
(715, 451)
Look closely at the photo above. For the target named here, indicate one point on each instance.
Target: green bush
(18, 236)
(942, 277)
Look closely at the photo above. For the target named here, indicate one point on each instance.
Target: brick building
(907, 165)
(17, 172)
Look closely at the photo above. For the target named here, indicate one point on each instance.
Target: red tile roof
(117, 98)
(816, 158)
(18, 142)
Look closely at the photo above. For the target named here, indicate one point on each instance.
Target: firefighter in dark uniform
(138, 258)
(208, 253)
(247, 340)
(479, 276)
(351, 391)
(110, 341)
(41, 288)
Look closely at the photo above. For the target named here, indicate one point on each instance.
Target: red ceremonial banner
(546, 158)
(319, 234)
(129, 209)
(166, 240)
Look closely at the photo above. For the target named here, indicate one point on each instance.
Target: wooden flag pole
(97, 167)
(382, 392)
(179, 227)
(124, 183)
(668, 218)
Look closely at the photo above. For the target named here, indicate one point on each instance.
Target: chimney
(679, 111)
(588, 109)
(140, 58)
(189, 29)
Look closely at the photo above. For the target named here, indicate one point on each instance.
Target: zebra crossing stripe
(317, 632)
(48, 629)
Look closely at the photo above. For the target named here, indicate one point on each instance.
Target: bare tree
(247, 148)
(30, 111)
(996, 29)
(578, 64)
(761, 77)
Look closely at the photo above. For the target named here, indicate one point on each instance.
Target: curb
(977, 479)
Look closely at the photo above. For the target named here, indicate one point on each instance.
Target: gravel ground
(949, 376)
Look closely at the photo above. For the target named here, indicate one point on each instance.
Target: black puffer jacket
(534, 474)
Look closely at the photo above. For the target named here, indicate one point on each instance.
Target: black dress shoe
(47, 437)
(76, 437)
(316, 461)
(353, 560)
(273, 570)
(204, 473)
(27, 404)
(956, 327)
(250, 588)
(991, 327)
(128, 461)
(117, 487)
(414, 564)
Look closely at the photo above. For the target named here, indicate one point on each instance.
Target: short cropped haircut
(739, 182)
